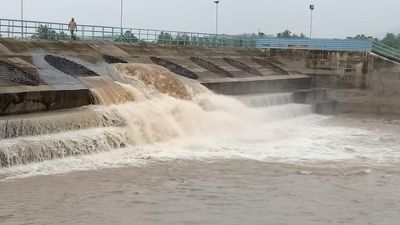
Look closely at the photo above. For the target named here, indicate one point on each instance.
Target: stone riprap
(13, 73)
(113, 60)
(69, 67)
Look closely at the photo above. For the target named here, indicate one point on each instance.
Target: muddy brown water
(196, 192)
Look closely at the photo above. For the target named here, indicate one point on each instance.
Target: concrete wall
(57, 84)
(38, 101)
(260, 85)
(359, 81)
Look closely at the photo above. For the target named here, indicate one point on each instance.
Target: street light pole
(216, 20)
(22, 9)
(122, 13)
(122, 16)
(22, 18)
(312, 7)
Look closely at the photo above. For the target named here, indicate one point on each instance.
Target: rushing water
(180, 154)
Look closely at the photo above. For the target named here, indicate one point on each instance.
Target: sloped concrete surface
(58, 88)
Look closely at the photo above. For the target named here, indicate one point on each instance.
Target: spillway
(165, 116)
(165, 108)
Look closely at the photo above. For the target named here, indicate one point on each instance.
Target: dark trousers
(73, 35)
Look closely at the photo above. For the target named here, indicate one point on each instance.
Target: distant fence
(59, 31)
(330, 45)
(315, 44)
(10, 28)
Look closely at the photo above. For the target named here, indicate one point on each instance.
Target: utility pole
(122, 20)
(22, 9)
(122, 13)
(22, 18)
(216, 21)
(312, 7)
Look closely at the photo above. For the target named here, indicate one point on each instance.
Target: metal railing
(386, 51)
(330, 45)
(10, 28)
(316, 44)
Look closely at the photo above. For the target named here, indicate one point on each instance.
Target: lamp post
(22, 9)
(122, 13)
(22, 18)
(122, 16)
(312, 7)
(216, 20)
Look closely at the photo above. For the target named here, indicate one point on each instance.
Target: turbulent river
(179, 154)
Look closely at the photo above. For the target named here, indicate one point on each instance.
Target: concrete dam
(117, 133)
(62, 99)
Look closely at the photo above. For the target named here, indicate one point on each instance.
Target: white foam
(302, 140)
(266, 100)
(197, 124)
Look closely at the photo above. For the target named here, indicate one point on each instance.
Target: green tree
(165, 38)
(289, 34)
(183, 39)
(392, 40)
(361, 37)
(128, 37)
(45, 33)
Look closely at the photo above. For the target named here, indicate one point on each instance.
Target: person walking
(73, 28)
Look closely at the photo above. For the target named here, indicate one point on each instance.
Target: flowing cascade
(162, 107)
(266, 100)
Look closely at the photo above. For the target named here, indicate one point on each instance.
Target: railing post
(83, 33)
(12, 33)
(36, 30)
(8, 29)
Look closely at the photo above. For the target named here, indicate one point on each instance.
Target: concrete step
(318, 99)
(26, 150)
(310, 96)
(254, 85)
(55, 122)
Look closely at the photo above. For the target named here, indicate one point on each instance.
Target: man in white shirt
(73, 28)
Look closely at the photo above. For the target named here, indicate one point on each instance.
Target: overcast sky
(332, 18)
